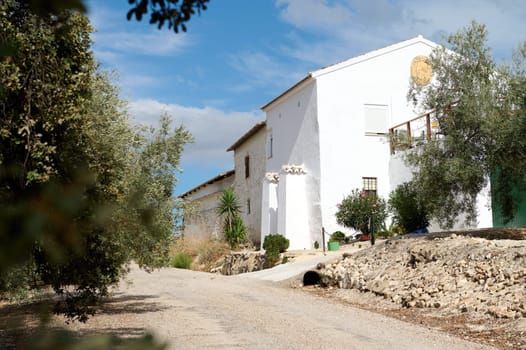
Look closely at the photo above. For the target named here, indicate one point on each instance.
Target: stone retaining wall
(454, 274)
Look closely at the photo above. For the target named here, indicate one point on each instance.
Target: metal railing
(417, 130)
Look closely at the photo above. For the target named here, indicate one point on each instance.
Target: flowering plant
(359, 209)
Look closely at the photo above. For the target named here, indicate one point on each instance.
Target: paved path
(289, 270)
(304, 260)
(193, 310)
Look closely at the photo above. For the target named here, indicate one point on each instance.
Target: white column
(293, 219)
(269, 205)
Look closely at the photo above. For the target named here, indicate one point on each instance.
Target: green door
(519, 220)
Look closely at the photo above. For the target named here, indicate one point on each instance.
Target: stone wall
(454, 274)
(242, 262)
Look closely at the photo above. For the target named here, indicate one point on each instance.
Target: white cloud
(213, 130)
(260, 70)
(313, 13)
(147, 42)
(116, 39)
(346, 28)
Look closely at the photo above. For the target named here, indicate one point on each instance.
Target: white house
(200, 219)
(329, 136)
(249, 160)
(324, 137)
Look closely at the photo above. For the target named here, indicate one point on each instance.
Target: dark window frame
(247, 166)
(370, 185)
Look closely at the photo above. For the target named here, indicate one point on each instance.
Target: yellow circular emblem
(421, 70)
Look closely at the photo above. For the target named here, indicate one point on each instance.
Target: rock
(378, 286)
(501, 312)
(451, 274)
(243, 262)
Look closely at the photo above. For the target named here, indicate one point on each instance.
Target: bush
(338, 236)
(19, 282)
(392, 230)
(409, 210)
(277, 243)
(229, 209)
(237, 233)
(274, 245)
(205, 251)
(316, 244)
(182, 261)
(359, 208)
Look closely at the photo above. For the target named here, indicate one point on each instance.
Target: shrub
(409, 210)
(276, 242)
(182, 261)
(274, 245)
(19, 283)
(392, 230)
(338, 236)
(210, 252)
(316, 244)
(358, 209)
(237, 233)
(271, 259)
(205, 251)
(229, 209)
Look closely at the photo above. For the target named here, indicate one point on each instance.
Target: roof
(209, 182)
(373, 54)
(289, 90)
(246, 136)
(352, 61)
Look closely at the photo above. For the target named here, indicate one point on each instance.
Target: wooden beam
(408, 126)
(392, 141)
(428, 126)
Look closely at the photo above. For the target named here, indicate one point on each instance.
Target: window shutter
(376, 118)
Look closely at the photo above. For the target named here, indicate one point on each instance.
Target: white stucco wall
(251, 188)
(346, 153)
(320, 124)
(399, 173)
(294, 126)
(202, 221)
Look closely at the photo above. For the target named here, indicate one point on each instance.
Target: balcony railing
(408, 134)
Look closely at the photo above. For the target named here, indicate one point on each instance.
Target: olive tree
(480, 109)
(83, 191)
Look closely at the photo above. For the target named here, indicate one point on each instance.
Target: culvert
(311, 278)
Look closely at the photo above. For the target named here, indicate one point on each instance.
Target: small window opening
(247, 166)
(370, 185)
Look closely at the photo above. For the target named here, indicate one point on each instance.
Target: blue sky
(239, 54)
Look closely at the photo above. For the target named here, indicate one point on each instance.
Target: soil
(503, 333)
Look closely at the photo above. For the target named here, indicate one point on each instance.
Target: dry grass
(205, 252)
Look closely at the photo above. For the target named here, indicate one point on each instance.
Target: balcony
(412, 132)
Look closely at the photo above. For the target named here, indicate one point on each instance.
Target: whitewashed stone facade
(324, 137)
(249, 160)
(201, 220)
(335, 124)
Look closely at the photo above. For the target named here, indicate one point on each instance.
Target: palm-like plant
(229, 209)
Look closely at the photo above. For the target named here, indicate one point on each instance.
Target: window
(370, 185)
(270, 144)
(376, 118)
(248, 206)
(247, 166)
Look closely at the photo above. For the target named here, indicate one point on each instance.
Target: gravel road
(193, 310)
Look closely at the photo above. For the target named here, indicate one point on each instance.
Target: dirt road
(193, 310)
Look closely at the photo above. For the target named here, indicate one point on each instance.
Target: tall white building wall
(347, 151)
(293, 125)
